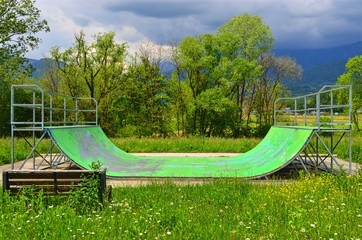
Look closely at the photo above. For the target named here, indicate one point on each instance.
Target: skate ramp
(85, 145)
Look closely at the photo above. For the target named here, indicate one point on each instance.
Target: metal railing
(31, 107)
(331, 107)
(33, 110)
(327, 111)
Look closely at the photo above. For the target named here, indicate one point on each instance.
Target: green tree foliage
(218, 82)
(19, 23)
(197, 63)
(89, 70)
(225, 64)
(242, 41)
(143, 105)
(353, 76)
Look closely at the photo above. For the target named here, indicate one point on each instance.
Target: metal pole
(332, 112)
(332, 126)
(318, 110)
(42, 110)
(65, 109)
(295, 112)
(305, 111)
(96, 112)
(275, 110)
(34, 120)
(350, 129)
(12, 126)
(51, 110)
(76, 111)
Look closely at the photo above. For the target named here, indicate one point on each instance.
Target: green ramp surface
(85, 145)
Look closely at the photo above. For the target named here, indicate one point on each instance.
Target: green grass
(324, 207)
(180, 144)
(22, 149)
(187, 144)
(192, 144)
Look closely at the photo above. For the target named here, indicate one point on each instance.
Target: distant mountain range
(39, 67)
(320, 66)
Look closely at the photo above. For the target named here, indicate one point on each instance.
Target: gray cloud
(295, 24)
(157, 9)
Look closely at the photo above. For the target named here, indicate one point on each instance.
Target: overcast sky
(294, 23)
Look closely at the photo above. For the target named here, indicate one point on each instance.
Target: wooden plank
(45, 188)
(51, 175)
(29, 182)
(56, 182)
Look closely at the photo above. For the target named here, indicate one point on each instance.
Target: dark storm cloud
(294, 24)
(157, 9)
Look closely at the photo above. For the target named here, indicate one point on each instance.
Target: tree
(269, 87)
(225, 64)
(90, 70)
(19, 23)
(242, 41)
(143, 105)
(353, 76)
(197, 61)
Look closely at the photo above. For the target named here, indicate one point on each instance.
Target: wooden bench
(55, 182)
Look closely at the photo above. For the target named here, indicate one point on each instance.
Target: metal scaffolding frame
(327, 112)
(33, 110)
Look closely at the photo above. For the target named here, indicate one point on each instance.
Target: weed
(313, 207)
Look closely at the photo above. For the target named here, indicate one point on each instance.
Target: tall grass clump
(323, 207)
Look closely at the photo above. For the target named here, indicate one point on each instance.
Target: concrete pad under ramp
(85, 145)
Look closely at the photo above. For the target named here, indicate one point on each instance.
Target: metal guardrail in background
(320, 109)
(31, 107)
(33, 110)
(328, 110)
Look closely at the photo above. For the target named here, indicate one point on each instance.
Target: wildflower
(312, 225)
(168, 233)
(302, 230)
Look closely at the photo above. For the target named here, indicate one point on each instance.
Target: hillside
(320, 66)
(39, 66)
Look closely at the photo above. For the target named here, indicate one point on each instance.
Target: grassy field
(175, 144)
(179, 144)
(323, 207)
